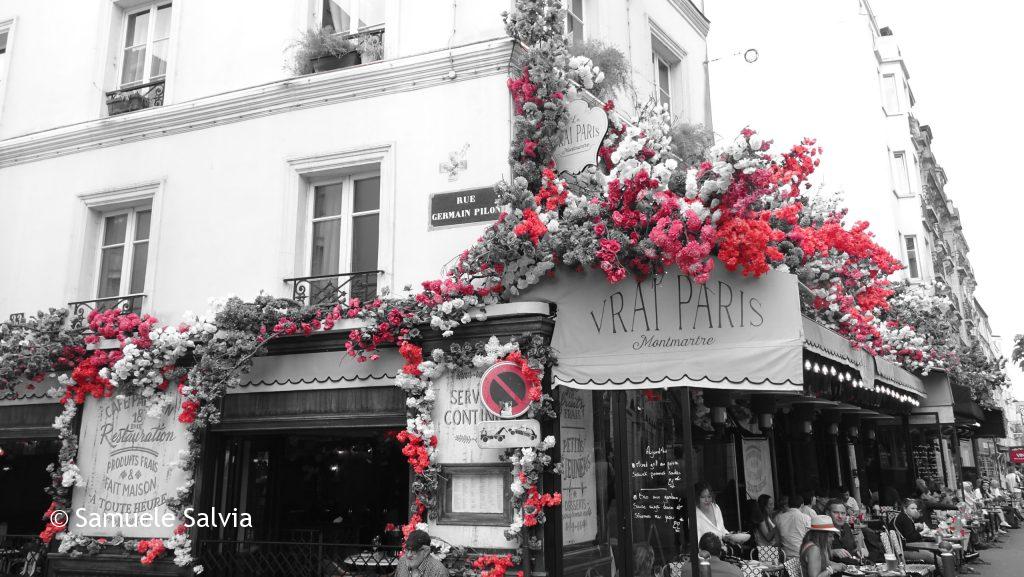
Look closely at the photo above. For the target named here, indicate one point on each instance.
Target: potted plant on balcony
(125, 101)
(370, 46)
(322, 50)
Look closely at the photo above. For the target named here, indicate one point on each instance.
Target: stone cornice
(693, 15)
(468, 62)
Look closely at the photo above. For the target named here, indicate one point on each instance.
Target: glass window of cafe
(624, 483)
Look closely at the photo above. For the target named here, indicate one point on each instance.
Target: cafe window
(345, 234)
(351, 16)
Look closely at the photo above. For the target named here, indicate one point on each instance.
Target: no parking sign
(504, 390)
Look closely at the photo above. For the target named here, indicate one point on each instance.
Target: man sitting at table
(844, 545)
(418, 561)
(710, 543)
(910, 531)
(792, 525)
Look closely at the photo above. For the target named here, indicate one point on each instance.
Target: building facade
(175, 158)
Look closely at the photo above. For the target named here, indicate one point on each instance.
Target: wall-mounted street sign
(463, 207)
(504, 391)
(508, 434)
(582, 138)
(1017, 455)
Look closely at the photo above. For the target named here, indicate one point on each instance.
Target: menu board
(658, 479)
(926, 460)
(124, 457)
(757, 467)
(478, 493)
(579, 483)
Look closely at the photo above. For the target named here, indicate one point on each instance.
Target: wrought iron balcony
(330, 289)
(136, 97)
(126, 304)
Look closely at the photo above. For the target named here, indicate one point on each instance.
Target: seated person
(791, 526)
(809, 502)
(816, 549)
(910, 531)
(643, 559)
(844, 545)
(710, 543)
(761, 518)
(709, 515)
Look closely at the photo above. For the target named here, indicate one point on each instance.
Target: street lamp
(750, 55)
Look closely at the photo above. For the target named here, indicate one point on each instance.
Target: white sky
(965, 66)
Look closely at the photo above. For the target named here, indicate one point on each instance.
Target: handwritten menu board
(655, 478)
(926, 460)
(579, 482)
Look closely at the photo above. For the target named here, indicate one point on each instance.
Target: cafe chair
(793, 568)
(768, 554)
(897, 545)
(883, 536)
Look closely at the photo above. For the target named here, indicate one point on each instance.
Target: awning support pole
(691, 491)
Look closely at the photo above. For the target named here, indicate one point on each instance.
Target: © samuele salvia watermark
(83, 518)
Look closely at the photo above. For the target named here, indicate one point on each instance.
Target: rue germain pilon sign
(463, 207)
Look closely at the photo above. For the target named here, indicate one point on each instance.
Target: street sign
(508, 434)
(504, 391)
(1017, 455)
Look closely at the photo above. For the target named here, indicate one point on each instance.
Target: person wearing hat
(816, 550)
(417, 560)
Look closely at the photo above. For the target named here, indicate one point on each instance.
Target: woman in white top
(709, 515)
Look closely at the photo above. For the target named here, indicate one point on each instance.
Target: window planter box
(331, 62)
(135, 102)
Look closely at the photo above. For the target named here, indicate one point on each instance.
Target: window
(345, 234)
(912, 266)
(351, 16)
(890, 96)
(574, 21)
(144, 50)
(4, 33)
(900, 176)
(663, 81)
(124, 253)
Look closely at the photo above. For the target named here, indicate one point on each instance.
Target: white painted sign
(508, 434)
(457, 412)
(124, 457)
(582, 138)
(579, 482)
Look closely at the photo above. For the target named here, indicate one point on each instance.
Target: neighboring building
(170, 157)
(877, 154)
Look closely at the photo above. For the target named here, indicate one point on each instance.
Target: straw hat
(823, 523)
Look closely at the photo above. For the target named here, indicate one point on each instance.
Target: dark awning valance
(964, 406)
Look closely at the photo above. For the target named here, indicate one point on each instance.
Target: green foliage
(690, 142)
(983, 376)
(611, 61)
(312, 44)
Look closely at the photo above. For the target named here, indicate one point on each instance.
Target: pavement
(1003, 559)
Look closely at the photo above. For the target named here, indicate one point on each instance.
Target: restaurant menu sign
(669, 330)
(463, 207)
(458, 412)
(584, 132)
(657, 480)
(579, 482)
(124, 457)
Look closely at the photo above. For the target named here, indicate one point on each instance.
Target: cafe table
(879, 570)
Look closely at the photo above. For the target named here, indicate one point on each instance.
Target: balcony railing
(126, 304)
(22, 555)
(294, 559)
(330, 289)
(134, 98)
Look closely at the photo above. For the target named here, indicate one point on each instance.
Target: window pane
(110, 271)
(114, 228)
(367, 195)
(142, 224)
(134, 65)
(337, 15)
(163, 22)
(158, 67)
(3, 41)
(663, 77)
(326, 248)
(139, 260)
(327, 201)
(371, 13)
(889, 86)
(365, 233)
(138, 28)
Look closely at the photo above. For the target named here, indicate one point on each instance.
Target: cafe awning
(965, 409)
(319, 370)
(830, 344)
(896, 376)
(937, 405)
(731, 332)
(993, 424)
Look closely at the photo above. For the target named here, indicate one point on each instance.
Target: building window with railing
(144, 49)
(351, 16)
(123, 257)
(344, 236)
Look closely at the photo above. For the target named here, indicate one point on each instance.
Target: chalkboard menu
(926, 460)
(657, 488)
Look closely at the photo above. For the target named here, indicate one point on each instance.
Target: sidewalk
(1005, 559)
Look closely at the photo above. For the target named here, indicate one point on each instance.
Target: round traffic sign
(504, 390)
